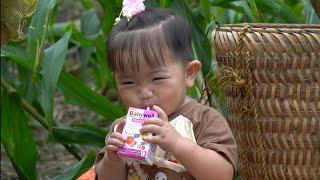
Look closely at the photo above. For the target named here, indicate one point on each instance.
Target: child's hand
(115, 141)
(166, 136)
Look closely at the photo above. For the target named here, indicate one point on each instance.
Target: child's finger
(151, 128)
(117, 135)
(119, 127)
(115, 142)
(156, 121)
(112, 148)
(152, 139)
(162, 115)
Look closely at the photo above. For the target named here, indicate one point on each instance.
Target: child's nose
(145, 93)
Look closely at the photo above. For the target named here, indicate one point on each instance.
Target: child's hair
(152, 35)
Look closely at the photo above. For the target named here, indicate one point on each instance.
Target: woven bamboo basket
(271, 76)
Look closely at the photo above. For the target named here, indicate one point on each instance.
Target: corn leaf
(87, 4)
(17, 55)
(200, 42)
(164, 3)
(77, 37)
(316, 6)
(90, 24)
(37, 31)
(80, 134)
(16, 136)
(78, 169)
(51, 68)
(205, 5)
(231, 5)
(75, 91)
(104, 74)
(312, 16)
(255, 11)
(279, 11)
(112, 10)
(221, 2)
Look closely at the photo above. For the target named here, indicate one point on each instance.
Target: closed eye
(127, 83)
(158, 78)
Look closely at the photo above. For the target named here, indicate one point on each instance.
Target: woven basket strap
(249, 100)
(253, 109)
(226, 76)
(245, 97)
(244, 102)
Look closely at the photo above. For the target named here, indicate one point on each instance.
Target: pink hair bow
(131, 8)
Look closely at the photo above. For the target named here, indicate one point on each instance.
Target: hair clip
(130, 8)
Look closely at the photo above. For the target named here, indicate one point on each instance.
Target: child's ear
(193, 69)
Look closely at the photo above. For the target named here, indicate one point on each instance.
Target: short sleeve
(215, 134)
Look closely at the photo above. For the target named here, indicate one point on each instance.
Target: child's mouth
(148, 102)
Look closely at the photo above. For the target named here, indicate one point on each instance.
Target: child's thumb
(120, 126)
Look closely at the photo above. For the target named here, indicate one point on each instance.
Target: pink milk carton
(135, 148)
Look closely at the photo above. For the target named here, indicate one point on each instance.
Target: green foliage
(55, 56)
(74, 63)
(77, 169)
(37, 31)
(16, 136)
(81, 134)
(79, 94)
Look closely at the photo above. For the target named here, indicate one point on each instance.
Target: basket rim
(270, 28)
(271, 25)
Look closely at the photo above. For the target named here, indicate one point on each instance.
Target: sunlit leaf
(37, 31)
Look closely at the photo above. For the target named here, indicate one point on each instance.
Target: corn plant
(34, 69)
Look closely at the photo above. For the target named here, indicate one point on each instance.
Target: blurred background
(58, 96)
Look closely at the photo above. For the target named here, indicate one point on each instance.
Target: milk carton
(135, 148)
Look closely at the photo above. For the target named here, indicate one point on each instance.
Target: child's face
(164, 86)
